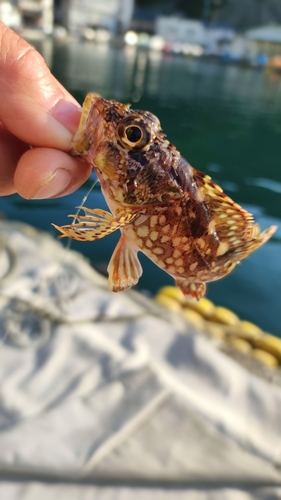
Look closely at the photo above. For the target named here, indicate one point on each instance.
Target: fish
(176, 215)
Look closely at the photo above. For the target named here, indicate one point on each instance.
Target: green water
(226, 120)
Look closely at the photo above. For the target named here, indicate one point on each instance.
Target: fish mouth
(90, 130)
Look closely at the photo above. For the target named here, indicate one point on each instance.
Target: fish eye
(133, 133)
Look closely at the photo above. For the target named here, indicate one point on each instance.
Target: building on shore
(38, 14)
(115, 16)
(180, 30)
(267, 39)
(112, 15)
(187, 31)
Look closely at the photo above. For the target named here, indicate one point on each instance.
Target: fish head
(127, 149)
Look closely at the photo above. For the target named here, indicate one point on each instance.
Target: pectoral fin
(95, 224)
(124, 268)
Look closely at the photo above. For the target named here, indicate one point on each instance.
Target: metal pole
(48, 16)
(206, 10)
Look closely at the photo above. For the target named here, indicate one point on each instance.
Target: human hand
(35, 110)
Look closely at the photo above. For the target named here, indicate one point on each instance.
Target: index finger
(33, 105)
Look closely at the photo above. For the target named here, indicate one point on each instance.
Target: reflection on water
(265, 183)
(131, 73)
(226, 120)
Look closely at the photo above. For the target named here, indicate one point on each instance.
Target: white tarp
(106, 396)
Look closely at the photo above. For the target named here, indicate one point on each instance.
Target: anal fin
(194, 291)
(124, 268)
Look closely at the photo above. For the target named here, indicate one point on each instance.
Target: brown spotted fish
(174, 214)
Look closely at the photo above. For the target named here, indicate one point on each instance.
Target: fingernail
(67, 114)
(56, 184)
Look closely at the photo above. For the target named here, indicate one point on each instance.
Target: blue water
(225, 119)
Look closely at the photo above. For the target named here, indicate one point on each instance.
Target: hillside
(243, 14)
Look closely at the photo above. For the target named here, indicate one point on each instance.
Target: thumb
(33, 105)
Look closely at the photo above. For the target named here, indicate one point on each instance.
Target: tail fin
(253, 240)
